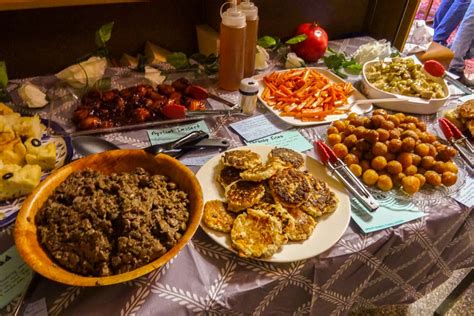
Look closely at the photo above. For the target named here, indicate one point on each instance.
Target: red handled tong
(345, 175)
(456, 138)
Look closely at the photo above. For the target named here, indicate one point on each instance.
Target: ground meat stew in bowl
(99, 225)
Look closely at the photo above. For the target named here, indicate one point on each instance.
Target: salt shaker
(248, 95)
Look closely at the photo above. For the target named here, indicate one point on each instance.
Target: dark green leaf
(103, 34)
(103, 84)
(395, 54)
(332, 50)
(297, 39)
(333, 61)
(266, 41)
(3, 74)
(353, 69)
(178, 60)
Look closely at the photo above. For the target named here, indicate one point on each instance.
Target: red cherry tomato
(434, 68)
(315, 45)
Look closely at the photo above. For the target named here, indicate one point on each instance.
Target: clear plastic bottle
(232, 47)
(251, 15)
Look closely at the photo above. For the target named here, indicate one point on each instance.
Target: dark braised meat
(134, 105)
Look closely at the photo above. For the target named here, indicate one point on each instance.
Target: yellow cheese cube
(13, 153)
(17, 181)
(42, 155)
(208, 39)
(155, 54)
(29, 127)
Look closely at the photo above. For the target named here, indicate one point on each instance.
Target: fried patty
(241, 159)
(280, 213)
(227, 176)
(261, 173)
(256, 234)
(287, 157)
(244, 194)
(304, 225)
(216, 216)
(290, 187)
(321, 199)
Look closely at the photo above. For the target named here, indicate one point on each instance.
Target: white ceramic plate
(328, 231)
(355, 95)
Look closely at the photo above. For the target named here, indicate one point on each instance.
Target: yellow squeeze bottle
(232, 47)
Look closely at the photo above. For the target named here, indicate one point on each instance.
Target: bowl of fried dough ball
(393, 151)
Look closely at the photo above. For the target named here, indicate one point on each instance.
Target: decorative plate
(328, 231)
(64, 151)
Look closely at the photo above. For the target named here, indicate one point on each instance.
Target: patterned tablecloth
(392, 266)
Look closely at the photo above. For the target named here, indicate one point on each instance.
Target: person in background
(447, 18)
(463, 45)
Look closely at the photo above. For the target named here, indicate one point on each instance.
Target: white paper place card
(259, 126)
(166, 135)
(465, 195)
(289, 139)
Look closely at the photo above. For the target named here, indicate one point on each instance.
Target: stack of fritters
(268, 203)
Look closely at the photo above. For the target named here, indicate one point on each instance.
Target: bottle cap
(248, 86)
(233, 17)
(249, 9)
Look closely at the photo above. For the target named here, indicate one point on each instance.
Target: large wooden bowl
(109, 162)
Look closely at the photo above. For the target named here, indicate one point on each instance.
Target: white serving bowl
(410, 104)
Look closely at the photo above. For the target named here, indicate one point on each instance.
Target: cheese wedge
(41, 155)
(32, 96)
(155, 54)
(17, 181)
(128, 61)
(208, 39)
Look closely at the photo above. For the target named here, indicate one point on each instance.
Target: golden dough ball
(365, 164)
(356, 169)
(421, 178)
(352, 116)
(451, 167)
(358, 122)
(379, 163)
(422, 149)
(410, 119)
(433, 152)
(446, 153)
(387, 125)
(395, 134)
(430, 138)
(366, 122)
(384, 183)
(368, 155)
(332, 130)
(370, 177)
(377, 120)
(362, 145)
(397, 178)
(350, 141)
(438, 167)
(400, 116)
(340, 150)
(339, 125)
(359, 131)
(408, 144)
(349, 130)
(356, 152)
(350, 159)
(411, 184)
(390, 156)
(383, 134)
(394, 120)
(394, 167)
(433, 178)
(421, 125)
(416, 159)
(411, 170)
(411, 126)
(449, 178)
(380, 112)
(427, 162)
(409, 133)
(371, 136)
(395, 145)
(379, 149)
(424, 137)
(406, 159)
(334, 139)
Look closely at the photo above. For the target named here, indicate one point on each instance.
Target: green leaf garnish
(178, 60)
(103, 34)
(297, 39)
(336, 61)
(353, 69)
(103, 84)
(3, 75)
(266, 41)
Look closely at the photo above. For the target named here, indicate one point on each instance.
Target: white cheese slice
(32, 95)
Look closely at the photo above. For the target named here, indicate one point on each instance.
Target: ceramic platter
(328, 231)
(355, 95)
(64, 151)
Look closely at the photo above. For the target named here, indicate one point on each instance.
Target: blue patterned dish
(64, 150)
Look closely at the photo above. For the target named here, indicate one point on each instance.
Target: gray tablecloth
(392, 266)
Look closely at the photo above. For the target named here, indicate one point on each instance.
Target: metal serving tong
(345, 175)
(456, 138)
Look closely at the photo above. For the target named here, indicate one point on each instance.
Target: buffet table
(392, 266)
